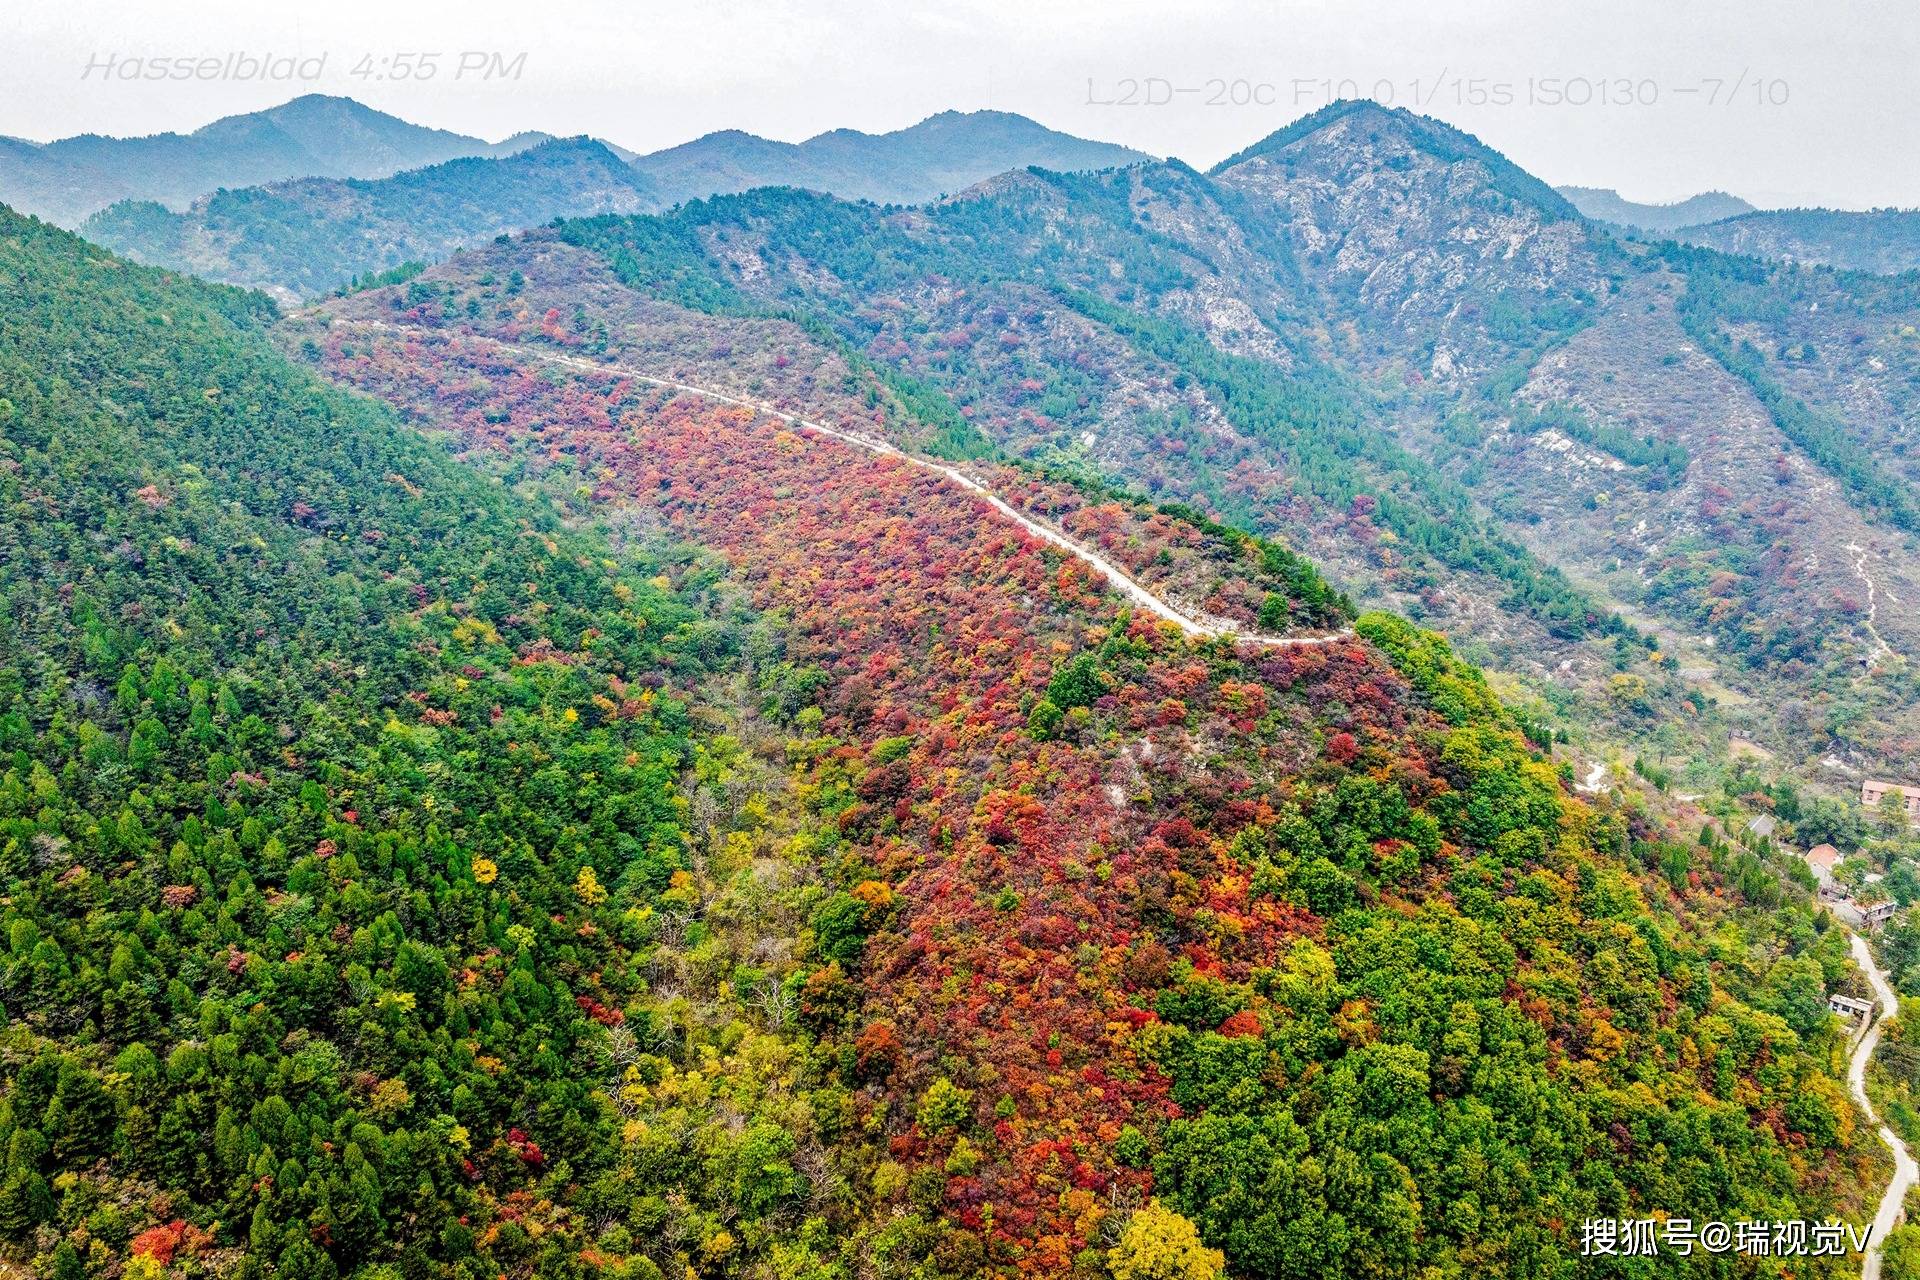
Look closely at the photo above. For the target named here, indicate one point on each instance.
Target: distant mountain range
(292, 199)
(310, 235)
(1883, 241)
(311, 136)
(313, 234)
(1604, 204)
(940, 155)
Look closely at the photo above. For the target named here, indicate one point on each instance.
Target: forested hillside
(1467, 402)
(423, 858)
(621, 753)
(1005, 304)
(339, 789)
(1368, 333)
(1285, 940)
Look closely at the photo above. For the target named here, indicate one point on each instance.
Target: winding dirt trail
(1873, 603)
(1207, 628)
(1905, 1171)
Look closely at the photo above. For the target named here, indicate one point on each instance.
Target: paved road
(1905, 1171)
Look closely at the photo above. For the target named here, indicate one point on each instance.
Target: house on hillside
(1875, 914)
(1763, 826)
(1821, 860)
(1848, 1007)
(1872, 793)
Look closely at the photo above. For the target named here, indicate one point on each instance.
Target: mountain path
(1873, 604)
(1206, 628)
(1905, 1171)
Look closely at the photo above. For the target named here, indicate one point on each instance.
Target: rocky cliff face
(1419, 232)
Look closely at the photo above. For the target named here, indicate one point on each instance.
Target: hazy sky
(1782, 101)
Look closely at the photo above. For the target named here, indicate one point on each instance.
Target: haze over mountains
(311, 136)
(304, 236)
(1882, 241)
(1605, 205)
(938, 156)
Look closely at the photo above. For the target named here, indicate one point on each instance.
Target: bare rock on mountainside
(1416, 224)
(1752, 529)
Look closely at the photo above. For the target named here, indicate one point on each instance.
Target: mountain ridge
(1880, 241)
(1364, 284)
(1603, 204)
(333, 229)
(902, 166)
(1434, 137)
(315, 135)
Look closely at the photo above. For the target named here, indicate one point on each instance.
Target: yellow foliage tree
(1159, 1244)
(587, 885)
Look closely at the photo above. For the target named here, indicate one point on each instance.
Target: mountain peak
(1365, 127)
(319, 111)
(1355, 109)
(522, 141)
(580, 144)
(987, 115)
(323, 102)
